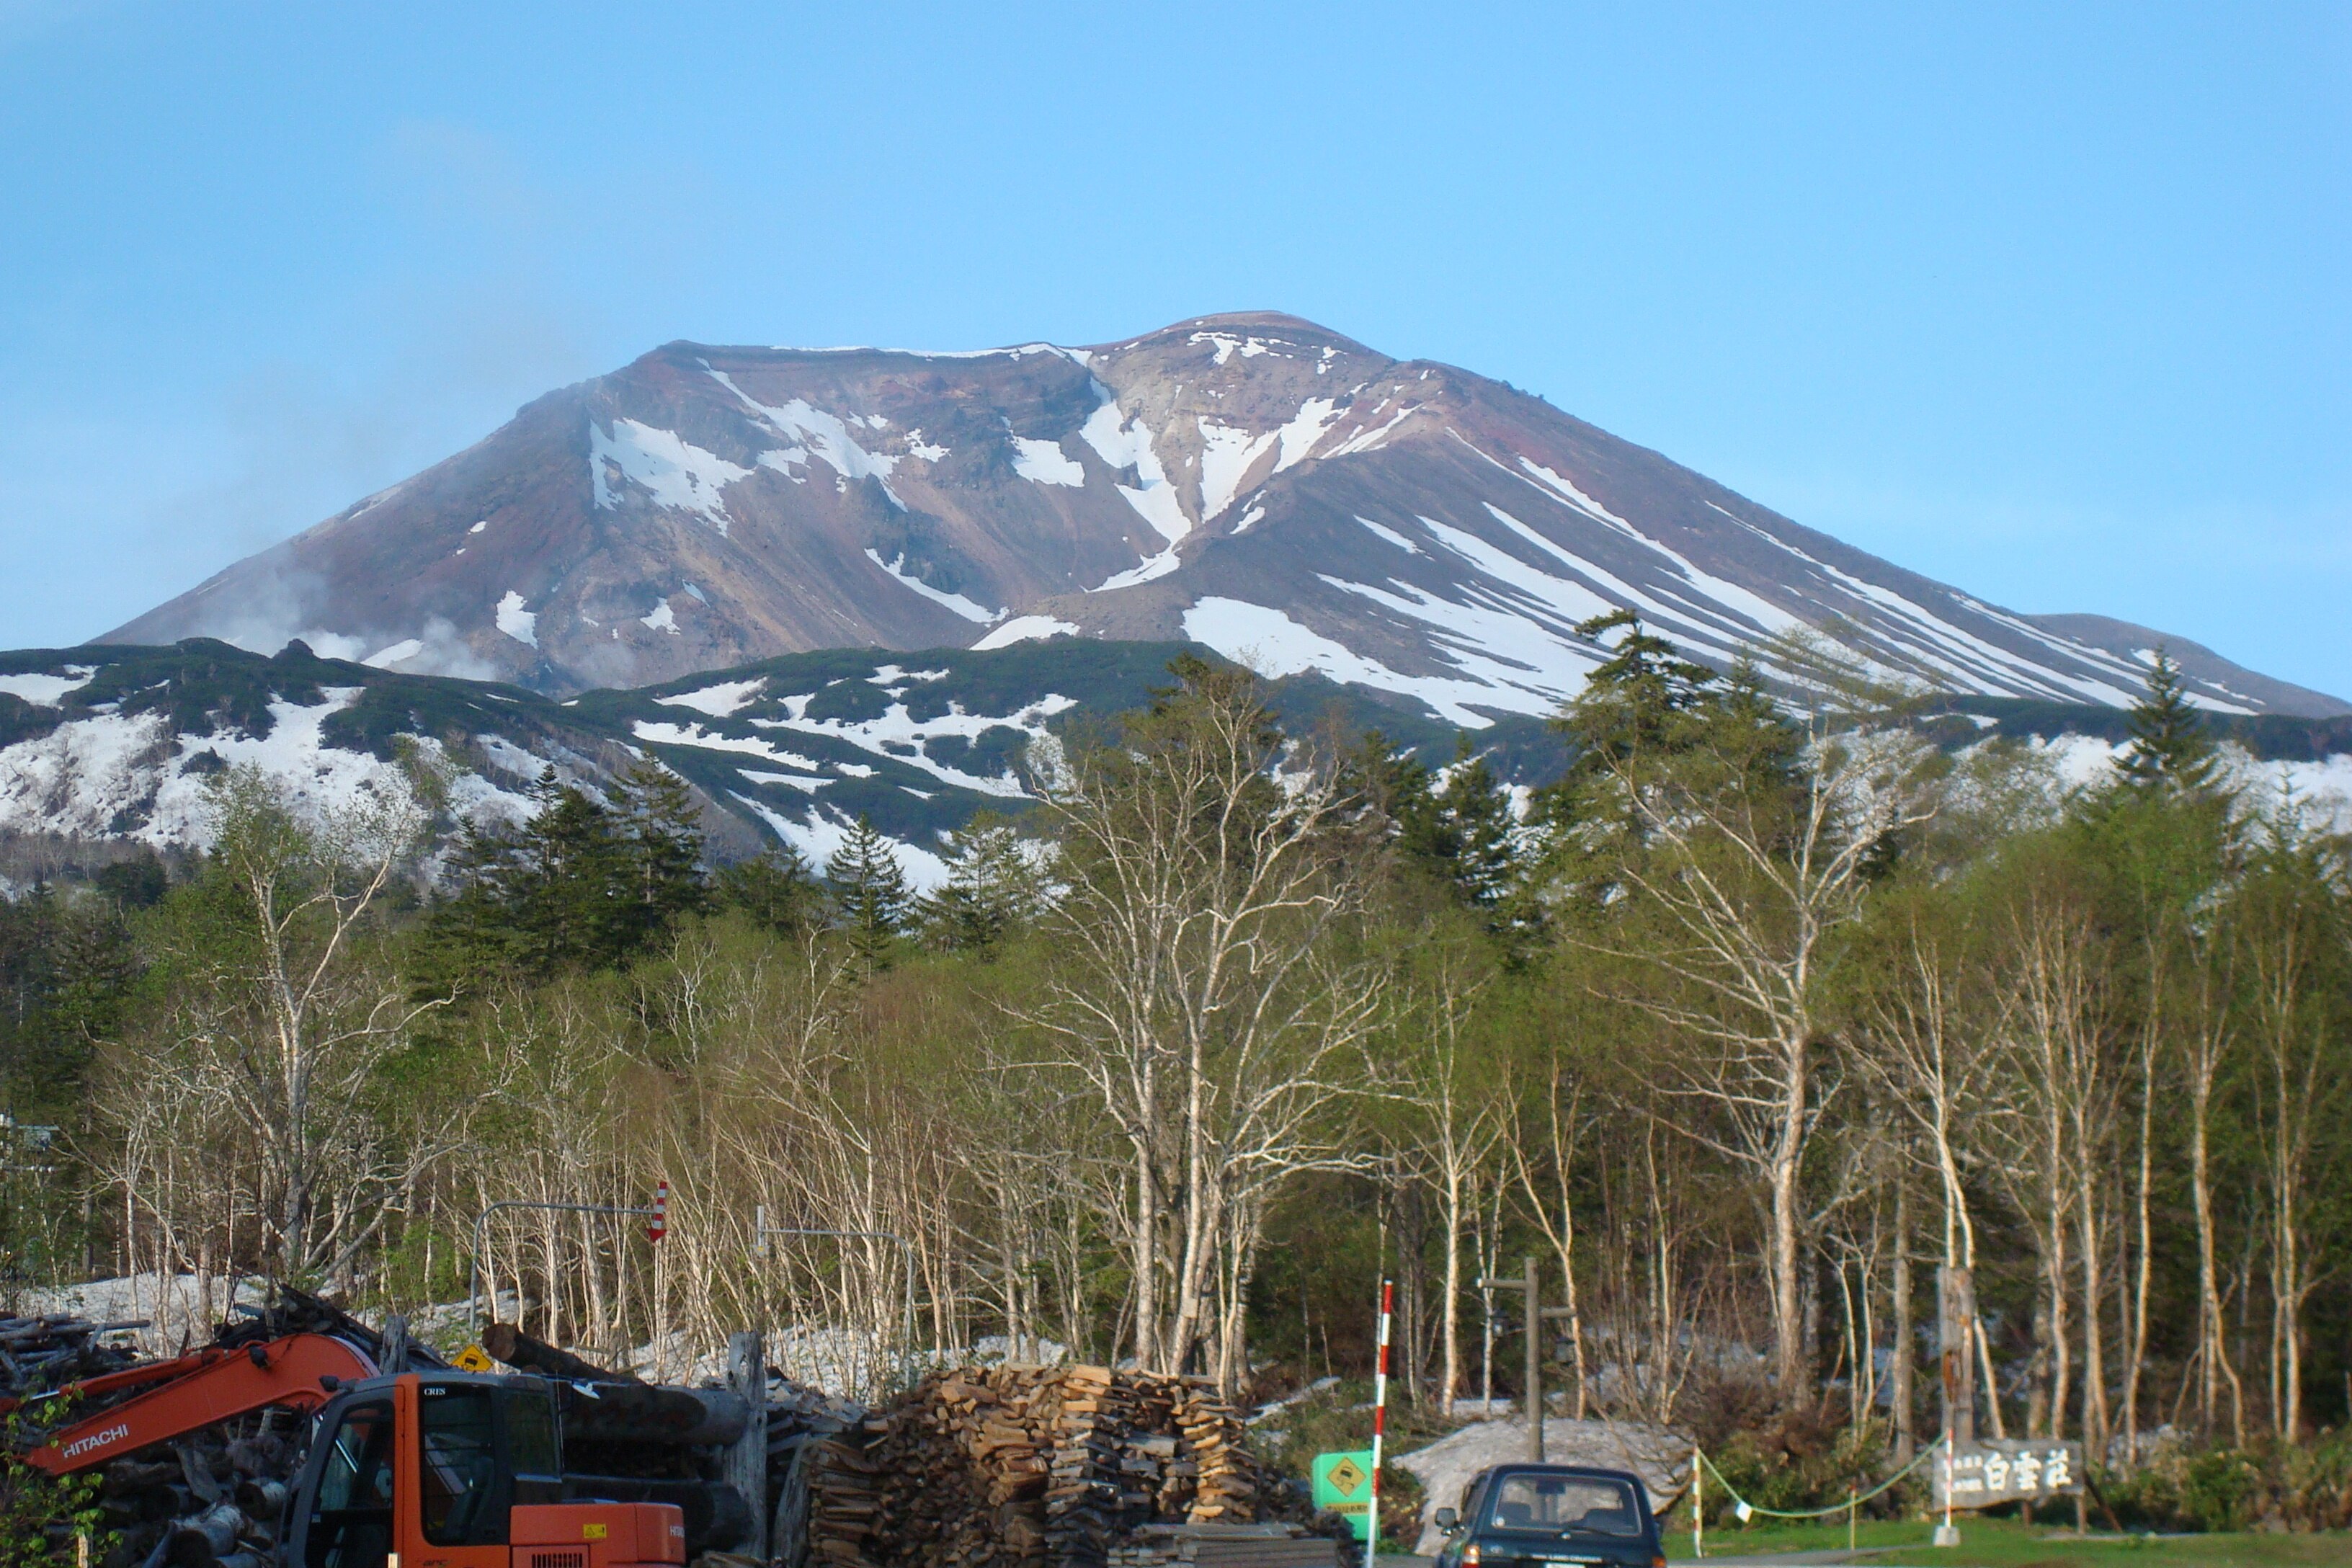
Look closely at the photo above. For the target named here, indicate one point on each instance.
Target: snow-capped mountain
(1252, 483)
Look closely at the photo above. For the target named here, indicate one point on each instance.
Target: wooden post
(1956, 1322)
(1531, 1288)
(1534, 1288)
(747, 1456)
(1955, 1311)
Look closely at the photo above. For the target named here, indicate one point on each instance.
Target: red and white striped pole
(657, 1225)
(1379, 1416)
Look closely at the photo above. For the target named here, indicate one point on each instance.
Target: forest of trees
(1744, 1028)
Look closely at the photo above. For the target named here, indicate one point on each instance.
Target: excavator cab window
(351, 1520)
(461, 1499)
(532, 1452)
(481, 1451)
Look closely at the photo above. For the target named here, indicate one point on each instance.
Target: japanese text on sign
(1997, 1471)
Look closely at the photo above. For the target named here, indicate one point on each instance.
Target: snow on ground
(705, 740)
(80, 777)
(179, 1309)
(962, 606)
(662, 619)
(47, 691)
(820, 838)
(2321, 791)
(1306, 430)
(1660, 1457)
(1027, 629)
(718, 700)
(1044, 463)
(1227, 346)
(517, 622)
(398, 653)
(891, 734)
(1149, 567)
(679, 475)
(1391, 534)
(1227, 454)
(806, 784)
(314, 778)
(1273, 644)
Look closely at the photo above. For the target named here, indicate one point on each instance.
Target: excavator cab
(452, 1469)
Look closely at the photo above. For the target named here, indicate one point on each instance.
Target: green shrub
(40, 1514)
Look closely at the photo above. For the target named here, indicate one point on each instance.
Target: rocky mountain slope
(1255, 483)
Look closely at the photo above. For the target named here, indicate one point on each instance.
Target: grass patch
(2011, 1543)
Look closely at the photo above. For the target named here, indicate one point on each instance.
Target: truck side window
(462, 1501)
(350, 1522)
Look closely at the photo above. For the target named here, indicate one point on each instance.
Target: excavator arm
(298, 1372)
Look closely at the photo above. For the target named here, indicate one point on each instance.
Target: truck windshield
(1565, 1505)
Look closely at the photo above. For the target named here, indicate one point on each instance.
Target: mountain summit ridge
(1251, 481)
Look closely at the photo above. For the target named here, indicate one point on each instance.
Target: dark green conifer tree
(2170, 750)
(869, 893)
(775, 891)
(663, 826)
(992, 889)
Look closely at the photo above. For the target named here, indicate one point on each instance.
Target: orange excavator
(431, 1468)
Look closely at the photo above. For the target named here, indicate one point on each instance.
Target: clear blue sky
(2053, 302)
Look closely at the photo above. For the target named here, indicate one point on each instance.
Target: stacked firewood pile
(1028, 1467)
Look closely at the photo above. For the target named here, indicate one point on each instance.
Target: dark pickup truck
(1551, 1516)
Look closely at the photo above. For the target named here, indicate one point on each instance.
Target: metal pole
(482, 1243)
(1534, 1362)
(1380, 1415)
(1699, 1504)
(907, 1341)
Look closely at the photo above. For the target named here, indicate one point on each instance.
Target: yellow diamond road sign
(1343, 1485)
(472, 1359)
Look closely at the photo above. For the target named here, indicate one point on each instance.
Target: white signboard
(1997, 1471)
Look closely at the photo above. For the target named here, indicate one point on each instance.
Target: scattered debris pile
(45, 1353)
(1225, 1546)
(212, 1496)
(1023, 1466)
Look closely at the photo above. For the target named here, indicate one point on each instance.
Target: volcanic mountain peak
(1251, 481)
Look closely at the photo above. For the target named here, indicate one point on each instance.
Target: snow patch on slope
(1044, 463)
(1227, 454)
(1275, 645)
(517, 622)
(1027, 629)
(820, 836)
(47, 691)
(695, 735)
(813, 432)
(1124, 443)
(718, 700)
(967, 608)
(678, 475)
